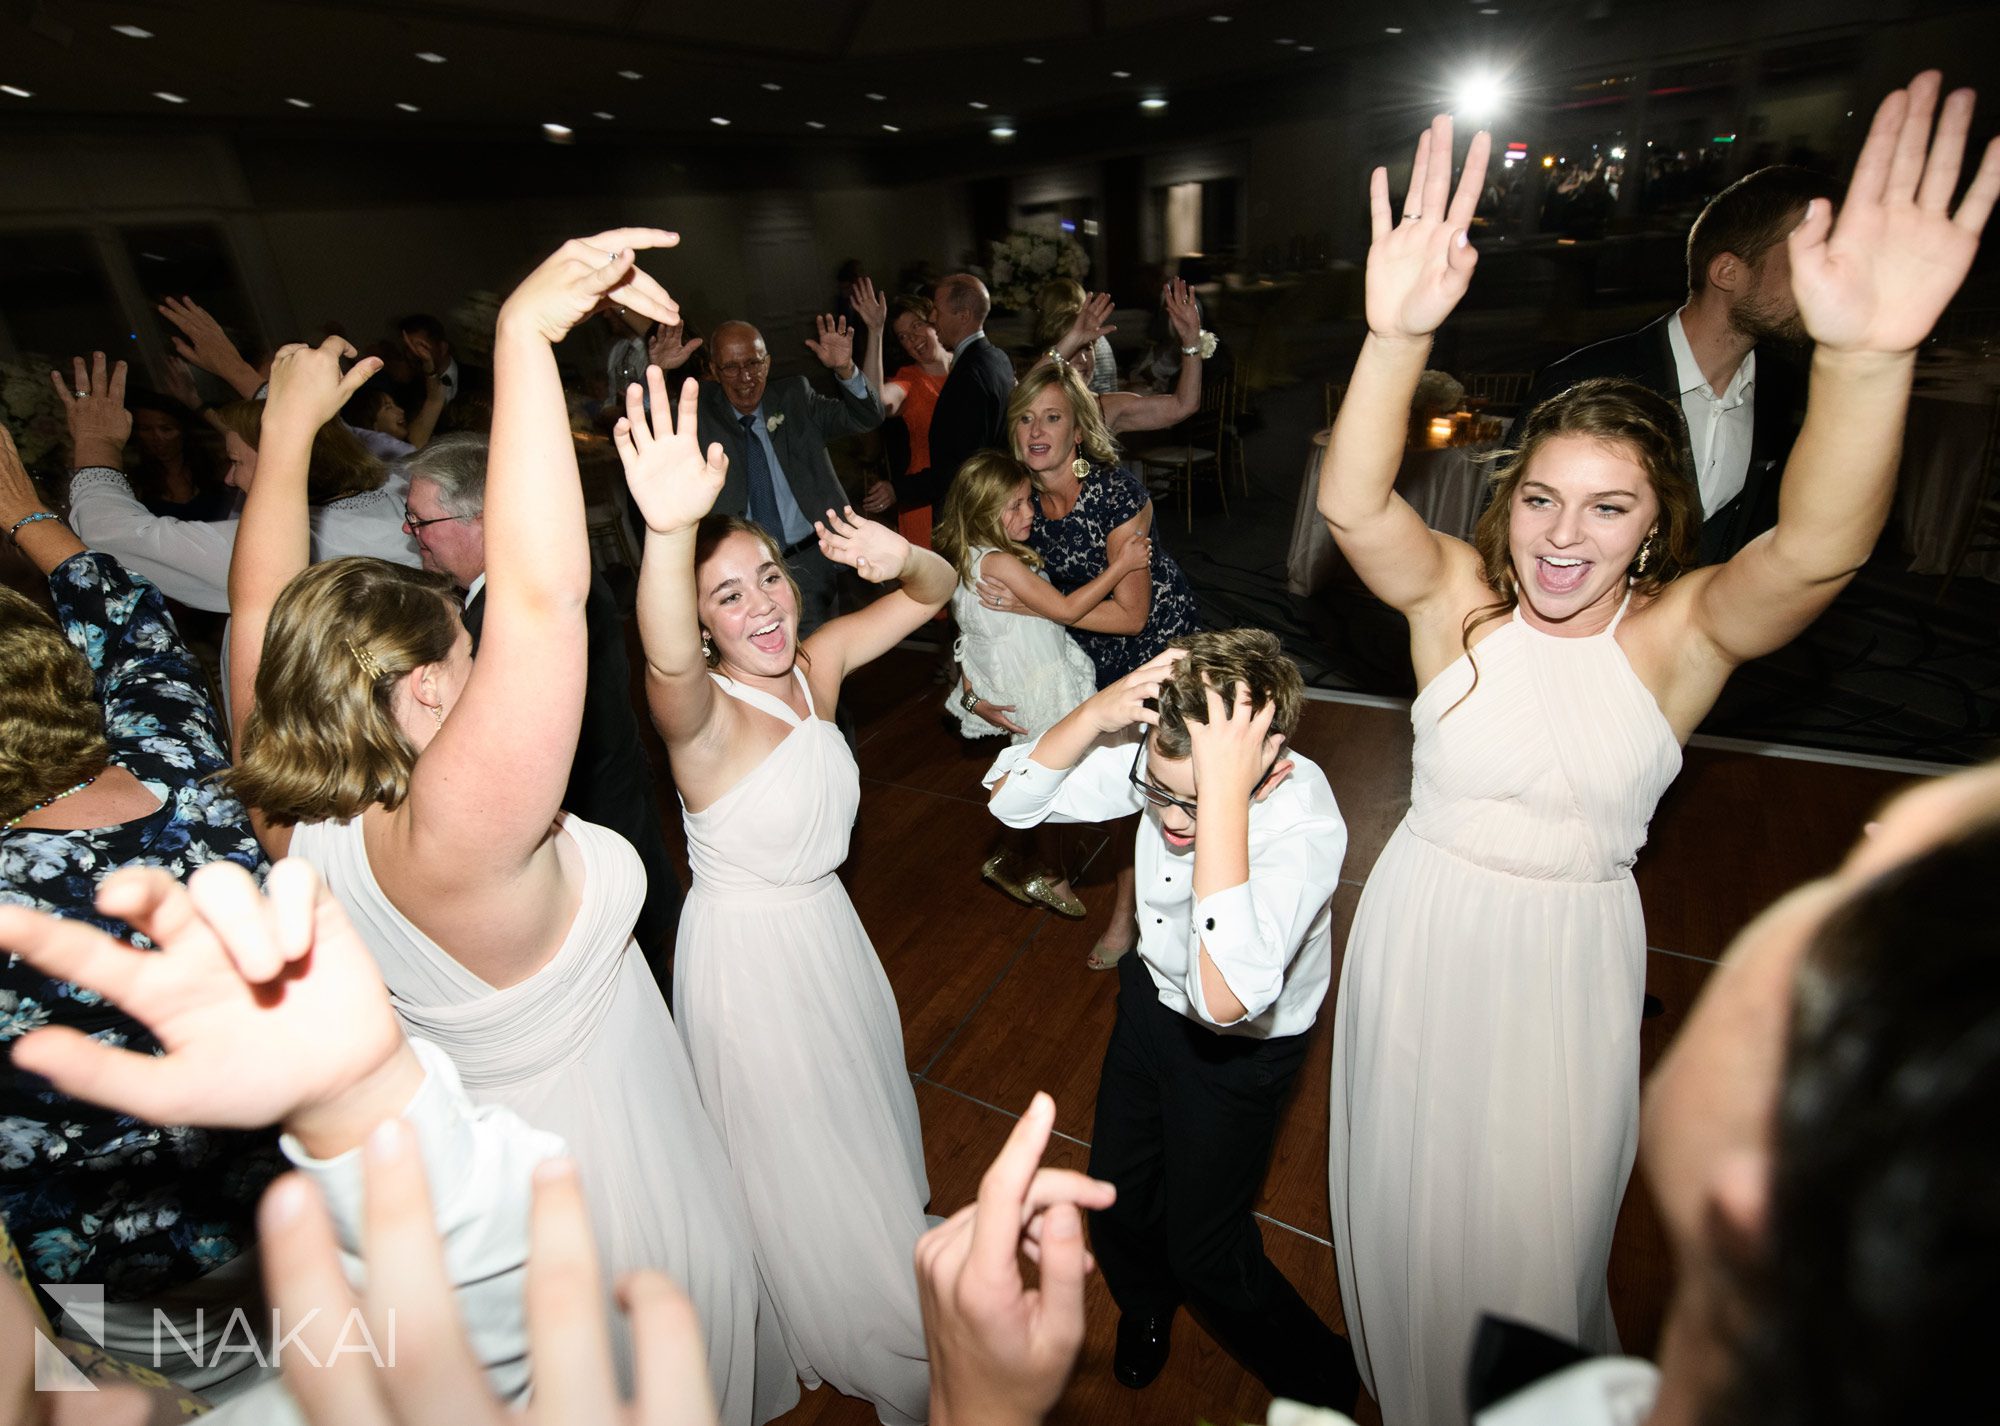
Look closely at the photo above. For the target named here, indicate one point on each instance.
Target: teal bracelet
(14, 531)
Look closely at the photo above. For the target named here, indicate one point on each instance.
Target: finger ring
(81, 395)
(1412, 216)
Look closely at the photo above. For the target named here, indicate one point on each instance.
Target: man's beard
(1764, 324)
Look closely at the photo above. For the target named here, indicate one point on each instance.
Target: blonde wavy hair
(970, 517)
(51, 724)
(322, 742)
(340, 466)
(1056, 306)
(1098, 445)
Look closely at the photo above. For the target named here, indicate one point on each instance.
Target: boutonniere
(771, 423)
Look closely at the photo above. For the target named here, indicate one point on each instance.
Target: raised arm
(1869, 286)
(45, 542)
(1418, 269)
(879, 555)
(1131, 411)
(274, 533)
(424, 420)
(523, 703)
(674, 486)
(203, 343)
(1093, 320)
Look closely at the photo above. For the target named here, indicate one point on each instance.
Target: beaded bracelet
(14, 530)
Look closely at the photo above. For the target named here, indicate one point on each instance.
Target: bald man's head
(962, 305)
(740, 362)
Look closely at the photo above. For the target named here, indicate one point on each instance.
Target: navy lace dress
(88, 1195)
(1073, 551)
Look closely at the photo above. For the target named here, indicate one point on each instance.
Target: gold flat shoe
(1041, 887)
(999, 869)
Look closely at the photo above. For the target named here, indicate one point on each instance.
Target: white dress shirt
(1720, 428)
(1604, 1391)
(1271, 939)
(480, 1163)
(189, 559)
(967, 340)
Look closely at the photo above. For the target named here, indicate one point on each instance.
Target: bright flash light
(1618, 155)
(1477, 97)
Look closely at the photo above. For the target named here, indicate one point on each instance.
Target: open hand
(1419, 268)
(835, 344)
(1093, 320)
(872, 550)
(879, 498)
(243, 994)
(1119, 705)
(94, 403)
(871, 306)
(180, 383)
(1000, 1349)
(307, 385)
(202, 342)
(672, 482)
(408, 1299)
(1183, 311)
(587, 275)
(1234, 747)
(18, 495)
(1877, 279)
(668, 347)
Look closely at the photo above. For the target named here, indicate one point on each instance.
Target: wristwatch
(970, 700)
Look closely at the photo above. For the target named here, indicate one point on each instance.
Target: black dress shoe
(1143, 1344)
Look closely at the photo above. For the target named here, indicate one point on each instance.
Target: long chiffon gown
(1485, 1104)
(585, 1048)
(798, 1049)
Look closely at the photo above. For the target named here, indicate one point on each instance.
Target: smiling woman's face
(1582, 509)
(748, 607)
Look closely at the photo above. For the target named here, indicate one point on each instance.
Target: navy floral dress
(1072, 549)
(89, 1195)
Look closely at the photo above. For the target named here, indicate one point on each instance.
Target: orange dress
(921, 390)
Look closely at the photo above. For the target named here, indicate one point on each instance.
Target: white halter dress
(1485, 1104)
(798, 1048)
(585, 1048)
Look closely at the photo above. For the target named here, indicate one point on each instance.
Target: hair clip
(370, 665)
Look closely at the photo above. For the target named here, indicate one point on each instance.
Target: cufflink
(1210, 923)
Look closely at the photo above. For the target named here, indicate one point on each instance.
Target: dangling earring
(437, 716)
(707, 645)
(1645, 552)
(1079, 467)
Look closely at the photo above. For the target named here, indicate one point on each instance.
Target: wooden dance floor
(997, 1002)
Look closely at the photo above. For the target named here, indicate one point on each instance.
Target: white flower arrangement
(771, 423)
(33, 413)
(1438, 394)
(1022, 262)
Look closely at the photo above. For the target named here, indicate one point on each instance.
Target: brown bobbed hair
(322, 742)
(1615, 412)
(710, 533)
(1089, 420)
(51, 723)
(1227, 660)
(340, 466)
(970, 516)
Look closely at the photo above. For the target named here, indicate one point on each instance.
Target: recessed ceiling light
(170, 98)
(1001, 131)
(408, 108)
(1121, 74)
(1219, 19)
(891, 129)
(770, 87)
(557, 133)
(1031, 59)
(1152, 103)
(1392, 29)
(1489, 10)
(630, 74)
(719, 121)
(1285, 42)
(17, 91)
(154, 257)
(878, 98)
(133, 32)
(600, 114)
(976, 104)
(300, 103)
(814, 124)
(430, 57)
(1305, 49)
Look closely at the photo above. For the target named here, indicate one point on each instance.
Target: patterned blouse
(89, 1195)
(1073, 551)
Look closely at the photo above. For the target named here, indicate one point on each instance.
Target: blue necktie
(757, 467)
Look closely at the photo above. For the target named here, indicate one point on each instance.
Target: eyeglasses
(413, 524)
(1160, 797)
(734, 369)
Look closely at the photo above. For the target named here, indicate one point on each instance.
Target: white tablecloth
(1943, 475)
(1442, 485)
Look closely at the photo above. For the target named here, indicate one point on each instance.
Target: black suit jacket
(806, 421)
(970, 415)
(1776, 405)
(610, 780)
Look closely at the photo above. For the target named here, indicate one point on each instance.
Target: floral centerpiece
(34, 416)
(1022, 262)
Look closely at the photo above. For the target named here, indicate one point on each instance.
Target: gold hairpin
(370, 665)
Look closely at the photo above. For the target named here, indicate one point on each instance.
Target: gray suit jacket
(810, 421)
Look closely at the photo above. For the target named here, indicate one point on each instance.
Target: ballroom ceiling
(879, 72)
